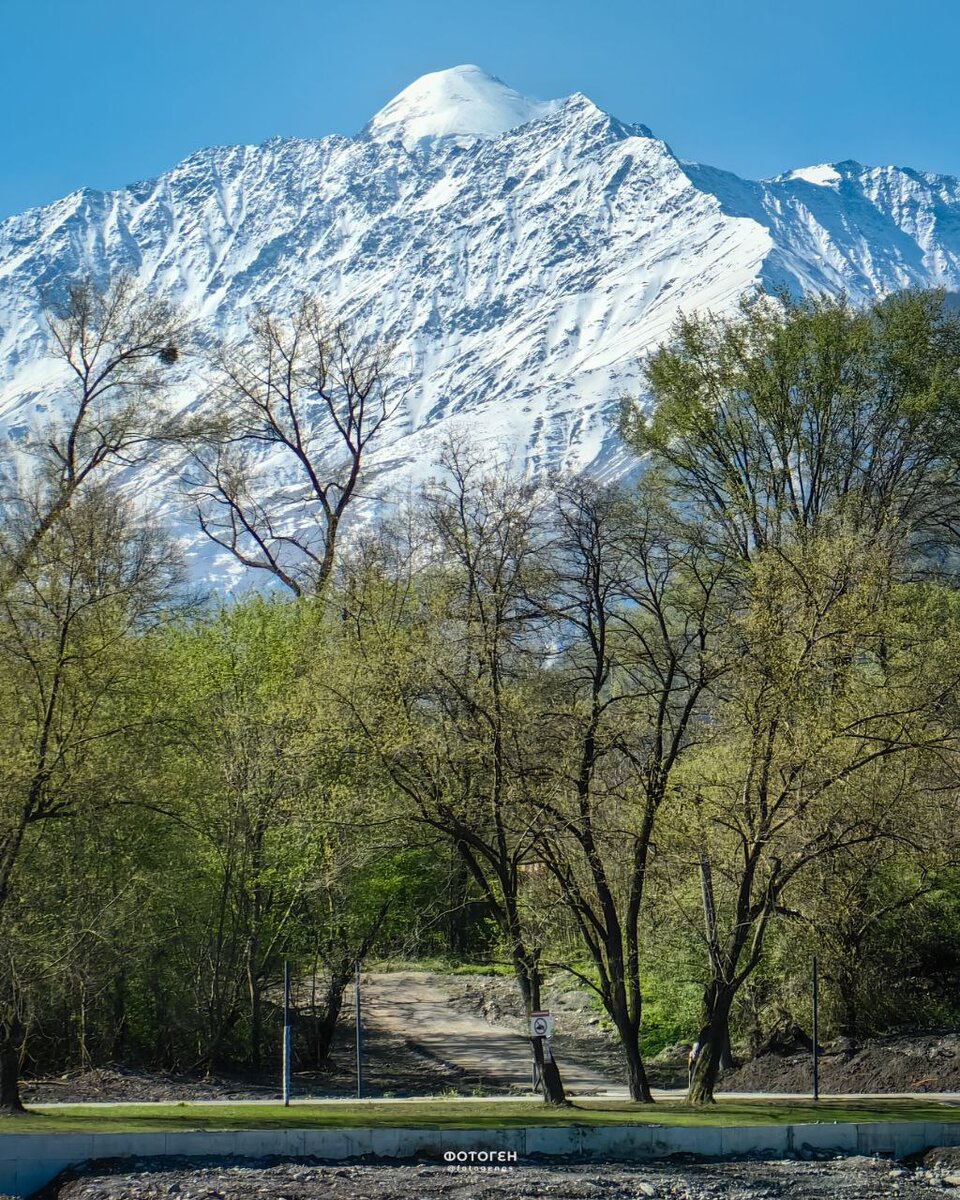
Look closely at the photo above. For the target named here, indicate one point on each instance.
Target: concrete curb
(30, 1160)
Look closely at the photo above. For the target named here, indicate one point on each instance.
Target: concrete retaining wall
(29, 1160)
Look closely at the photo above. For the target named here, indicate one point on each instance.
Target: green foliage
(676, 740)
(671, 1013)
(809, 413)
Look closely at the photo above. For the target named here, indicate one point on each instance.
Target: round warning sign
(541, 1025)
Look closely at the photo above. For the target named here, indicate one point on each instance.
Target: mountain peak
(822, 175)
(462, 102)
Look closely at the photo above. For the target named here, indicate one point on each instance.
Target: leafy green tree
(818, 746)
(94, 581)
(868, 916)
(801, 414)
(816, 445)
(280, 820)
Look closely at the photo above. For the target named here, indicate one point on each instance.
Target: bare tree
(299, 391)
(116, 345)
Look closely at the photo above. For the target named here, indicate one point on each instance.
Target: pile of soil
(123, 1084)
(914, 1063)
(837, 1179)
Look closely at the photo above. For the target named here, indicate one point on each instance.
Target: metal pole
(816, 1079)
(359, 1020)
(286, 1033)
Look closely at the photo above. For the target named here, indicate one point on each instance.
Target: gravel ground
(833, 1179)
(582, 1033)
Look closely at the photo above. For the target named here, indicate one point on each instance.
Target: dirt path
(418, 1007)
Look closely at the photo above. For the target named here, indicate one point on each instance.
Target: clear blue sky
(100, 93)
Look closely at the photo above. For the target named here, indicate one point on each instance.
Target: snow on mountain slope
(846, 226)
(463, 103)
(521, 256)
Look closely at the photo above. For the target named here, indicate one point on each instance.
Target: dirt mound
(917, 1063)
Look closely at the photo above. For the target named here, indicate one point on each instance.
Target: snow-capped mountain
(520, 255)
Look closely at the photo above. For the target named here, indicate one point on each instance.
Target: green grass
(481, 969)
(439, 966)
(432, 1114)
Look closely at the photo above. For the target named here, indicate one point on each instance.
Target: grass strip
(442, 1114)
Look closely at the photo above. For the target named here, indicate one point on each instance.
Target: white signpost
(541, 1026)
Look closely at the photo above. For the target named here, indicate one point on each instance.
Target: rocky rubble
(856, 1178)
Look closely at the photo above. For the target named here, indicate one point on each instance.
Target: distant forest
(674, 738)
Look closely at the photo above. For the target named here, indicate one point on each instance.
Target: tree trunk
(713, 1039)
(255, 994)
(637, 1080)
(849, 1023)
(726, 1054)
(323, 1027)
(553, 1092)
(459, 910)
(527, 973)
(118, 1030)
(10, 1101)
